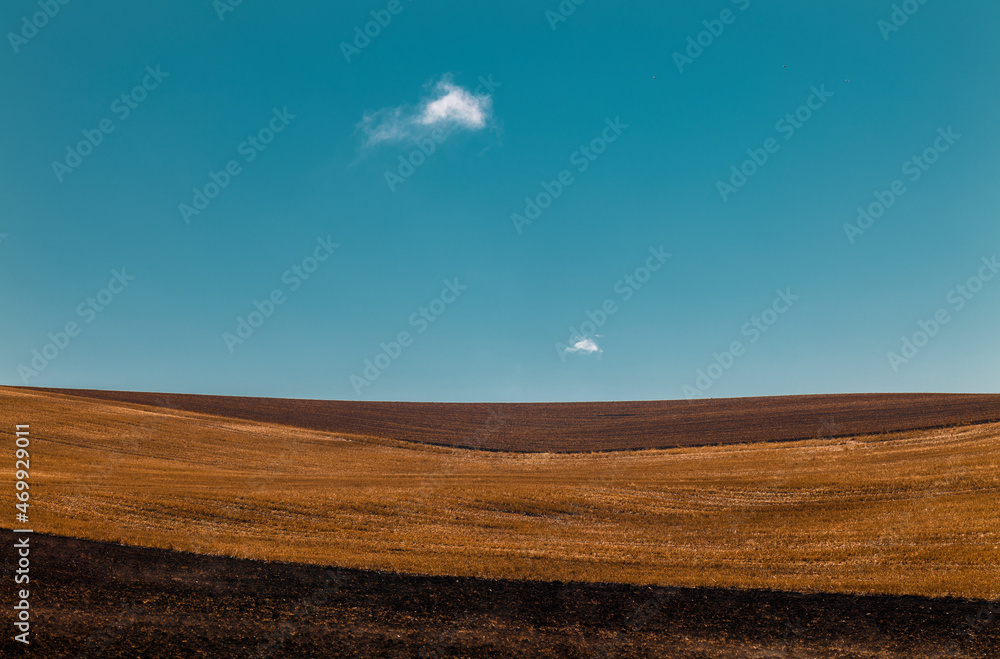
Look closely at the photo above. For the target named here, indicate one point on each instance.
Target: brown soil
(99, 599)
(569, 427)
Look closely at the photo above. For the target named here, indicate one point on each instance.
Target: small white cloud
(457, 105)
(584, 344)
(447, 106)
(383, 125)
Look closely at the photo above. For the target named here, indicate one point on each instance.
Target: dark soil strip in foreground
(565, 427)
(106, 600)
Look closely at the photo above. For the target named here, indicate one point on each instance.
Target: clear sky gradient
(241, 154)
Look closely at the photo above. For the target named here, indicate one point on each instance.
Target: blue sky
(429, 282)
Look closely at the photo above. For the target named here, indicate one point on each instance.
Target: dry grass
(584, 427)
(911, 513)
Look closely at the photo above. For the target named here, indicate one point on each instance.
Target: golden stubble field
(911, 513)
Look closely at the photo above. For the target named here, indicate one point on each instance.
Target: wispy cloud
(446, 106)
(585, 345)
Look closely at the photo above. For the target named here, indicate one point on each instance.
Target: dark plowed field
(108, 600)
(567, 427)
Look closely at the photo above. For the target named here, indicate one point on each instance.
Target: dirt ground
(604, 426)
(105, 600)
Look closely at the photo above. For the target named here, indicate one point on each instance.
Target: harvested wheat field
(912, 512)
(569, 427)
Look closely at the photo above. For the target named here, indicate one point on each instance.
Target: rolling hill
(612, 426)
